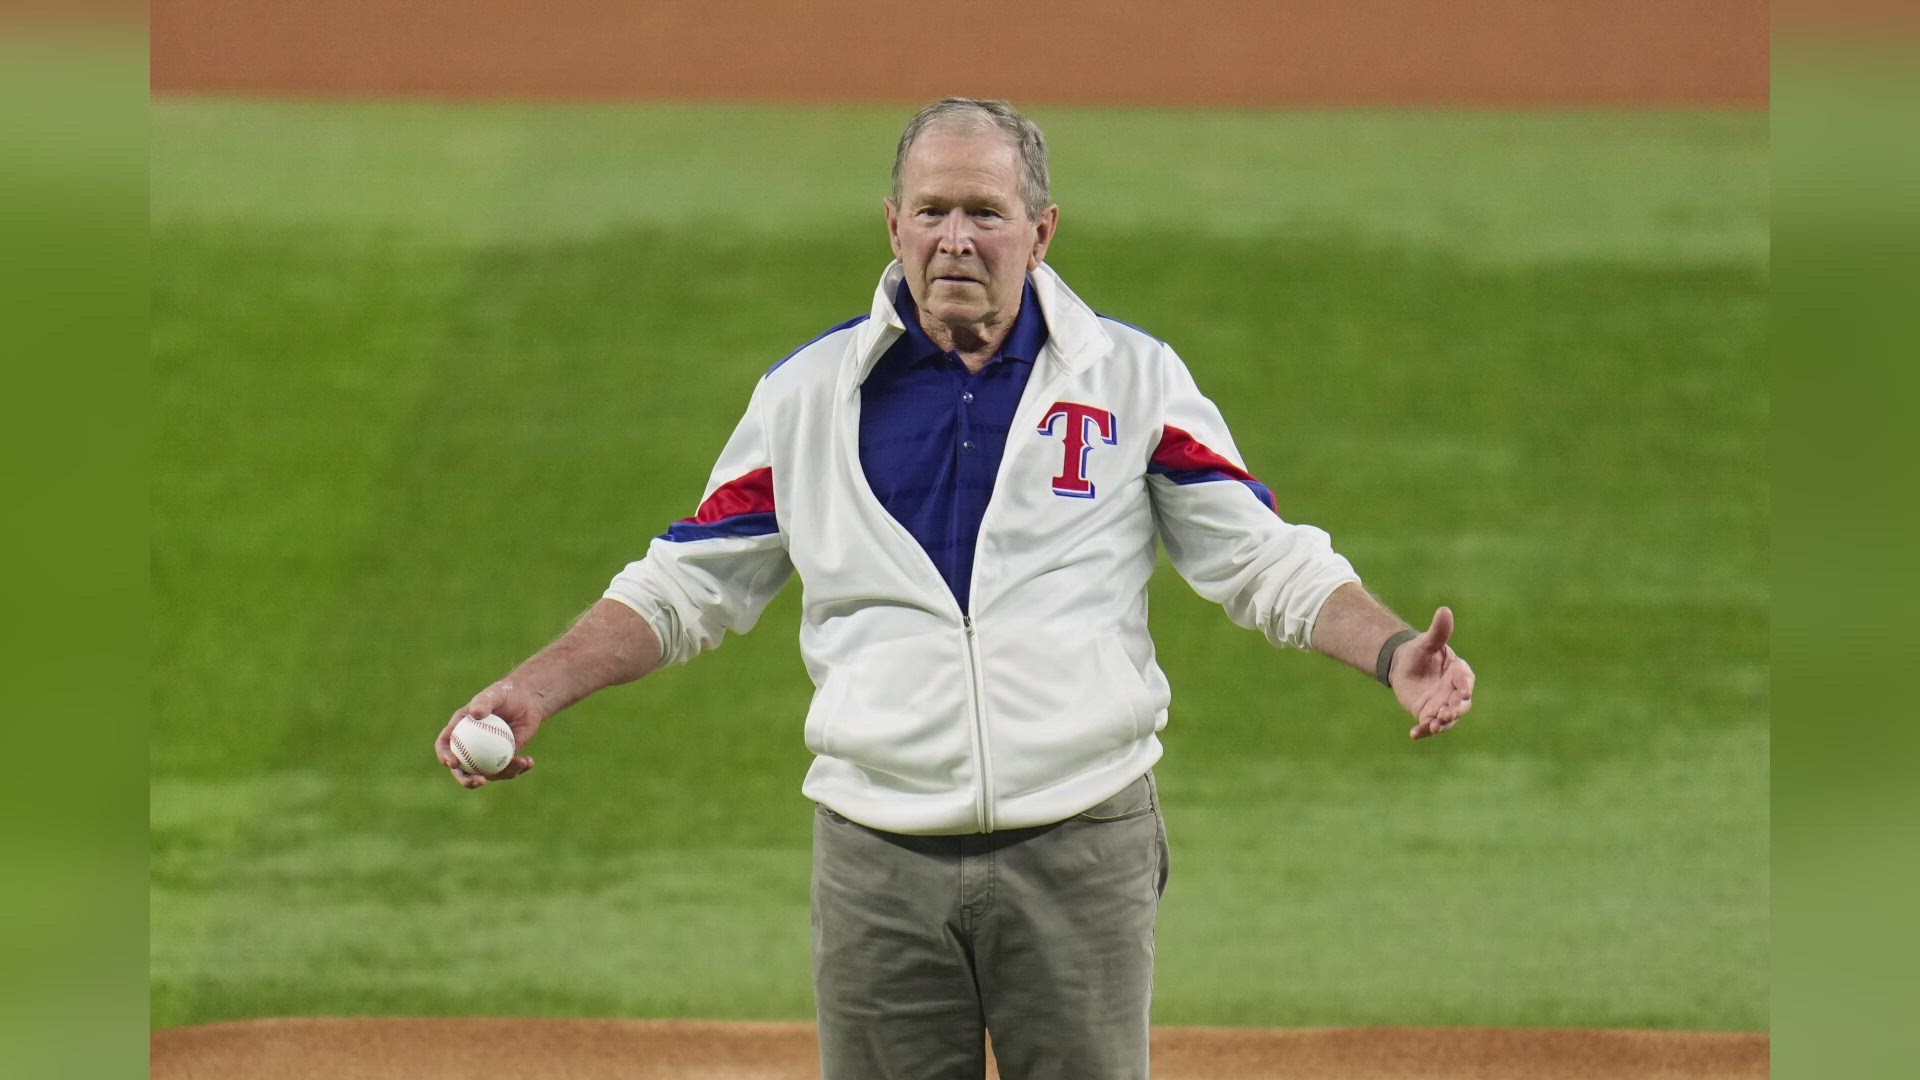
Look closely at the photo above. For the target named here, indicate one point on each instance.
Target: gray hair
(978, 115)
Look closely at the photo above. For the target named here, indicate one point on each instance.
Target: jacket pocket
(899, 708)
(1058, 706)
(820, 716)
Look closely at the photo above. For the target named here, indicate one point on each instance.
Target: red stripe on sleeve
(1179, 451)
(749, 494)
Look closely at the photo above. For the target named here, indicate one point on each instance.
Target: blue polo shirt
(932, 433)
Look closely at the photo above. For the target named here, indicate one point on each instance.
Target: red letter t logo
(1084, 422)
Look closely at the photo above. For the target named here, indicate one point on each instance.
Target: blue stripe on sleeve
(1184, 477)
(687, 531)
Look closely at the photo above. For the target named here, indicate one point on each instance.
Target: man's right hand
(608, 645)
(509, 703)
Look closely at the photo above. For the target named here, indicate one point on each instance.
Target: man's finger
(1441, 631)
(443, 748)
(1433, 699)
(1438, 720)
(518, 765)
(482, 704)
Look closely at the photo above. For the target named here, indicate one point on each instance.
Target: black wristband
(1383, 667)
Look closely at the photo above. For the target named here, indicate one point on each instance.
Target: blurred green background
(428, 375)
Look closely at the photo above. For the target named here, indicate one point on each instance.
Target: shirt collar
(1024, 341)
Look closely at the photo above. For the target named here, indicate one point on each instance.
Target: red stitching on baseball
(466, 757)
(497, 726)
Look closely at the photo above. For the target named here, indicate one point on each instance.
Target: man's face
(960, 228)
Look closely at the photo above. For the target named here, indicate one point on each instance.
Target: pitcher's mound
(423, 1049)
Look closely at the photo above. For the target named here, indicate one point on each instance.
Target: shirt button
(968, 445)
(966, 397)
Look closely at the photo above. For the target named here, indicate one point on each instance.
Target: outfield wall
(1300, 53)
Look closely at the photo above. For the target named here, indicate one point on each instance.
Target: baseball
(483, 745)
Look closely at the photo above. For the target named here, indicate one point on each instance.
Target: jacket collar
(1075, 337)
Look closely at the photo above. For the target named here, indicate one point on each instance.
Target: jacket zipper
(976, 694)
(976, 688)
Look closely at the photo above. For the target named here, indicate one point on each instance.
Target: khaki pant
(1042, 936)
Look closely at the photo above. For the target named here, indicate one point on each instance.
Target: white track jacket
(1044, 699)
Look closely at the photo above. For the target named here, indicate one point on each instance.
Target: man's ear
(1044, 227)
(893, 225)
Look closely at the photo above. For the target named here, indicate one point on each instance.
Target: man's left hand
(1430, 679)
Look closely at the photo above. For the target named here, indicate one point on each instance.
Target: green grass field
(428, 375)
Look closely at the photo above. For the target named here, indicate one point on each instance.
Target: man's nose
(956, 234)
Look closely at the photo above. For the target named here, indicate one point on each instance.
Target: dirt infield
(392, 1049)
(1245, 53)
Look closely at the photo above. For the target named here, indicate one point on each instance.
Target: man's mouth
(957, 277)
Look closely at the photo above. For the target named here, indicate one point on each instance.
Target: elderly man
(971, 480)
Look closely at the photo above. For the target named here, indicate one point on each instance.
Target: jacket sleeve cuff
(1293, 623)
(660, 618)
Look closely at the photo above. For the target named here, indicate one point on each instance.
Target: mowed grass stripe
(1507, 187)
